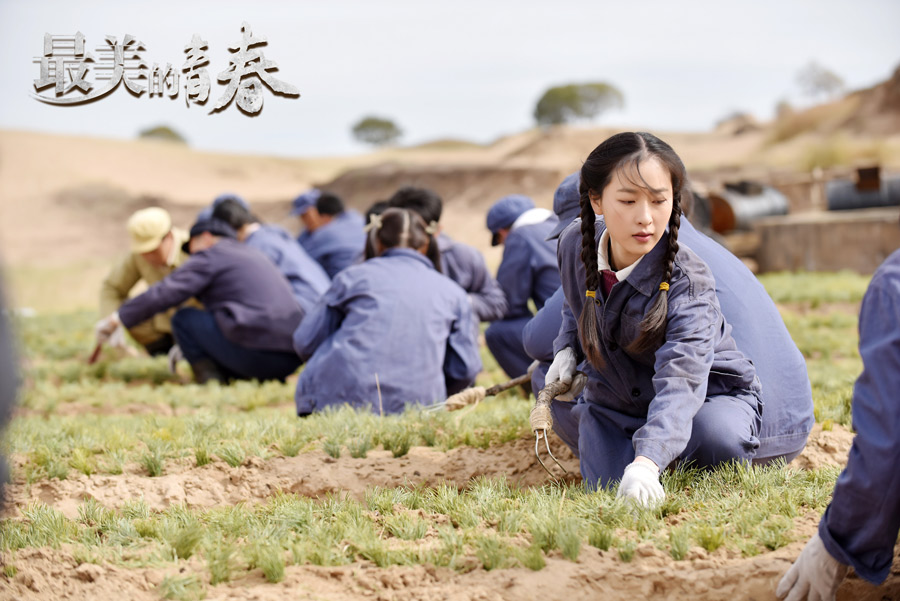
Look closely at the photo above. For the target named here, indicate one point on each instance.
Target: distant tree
(572, 102)
(376, 131)
(817, 81)
(162, 132)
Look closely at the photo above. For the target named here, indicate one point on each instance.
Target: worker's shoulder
(887, 276)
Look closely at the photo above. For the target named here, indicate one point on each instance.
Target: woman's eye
(628, 202)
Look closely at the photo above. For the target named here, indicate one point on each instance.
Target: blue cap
(504, 213)
(206, 213)
(305, 201)
(216, 227)
(566, 203)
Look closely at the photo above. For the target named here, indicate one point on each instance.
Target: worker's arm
(118, 284)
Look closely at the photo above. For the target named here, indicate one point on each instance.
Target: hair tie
(590, 294)
(664, 286)
(374, 223)
(432, 228)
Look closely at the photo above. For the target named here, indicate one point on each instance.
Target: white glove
(175, 355)
(106, 327)
(117, 338)
(577, 387)
(640, 484)
(815, 575)
(563, 367)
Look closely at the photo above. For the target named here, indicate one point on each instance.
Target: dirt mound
(316, 474)
(312, 474)
(878, 112)
(825, 447)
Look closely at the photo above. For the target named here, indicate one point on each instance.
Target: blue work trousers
(723, 430)
(199, 337)
(504, 339)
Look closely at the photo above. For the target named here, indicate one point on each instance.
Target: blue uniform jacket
(698, 358)
(543, 328)
(860, 526)
(394, 316)
(337, 244)
(528, 269)
(306, 277)
(249, 298)
(465, 266)
(757, 328)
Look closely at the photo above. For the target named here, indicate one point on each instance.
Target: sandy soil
(56, 574)
(313, 474)
(316, 474)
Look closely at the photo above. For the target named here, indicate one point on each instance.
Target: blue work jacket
(306, 277)
(757, 328)
(337, 244)
(860, 526)
(666, 385)
(528, 269)
(465, 266)
(393, 316)
(249, 298)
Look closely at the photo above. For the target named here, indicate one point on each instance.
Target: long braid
(587, 321)
(653, 326)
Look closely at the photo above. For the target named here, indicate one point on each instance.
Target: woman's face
(636, 208)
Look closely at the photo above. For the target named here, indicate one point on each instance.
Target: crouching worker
(306, 277)
(666, 380)
(527, 271)
(155, 253)
(860, 526)
(391, 331)
(244, 332)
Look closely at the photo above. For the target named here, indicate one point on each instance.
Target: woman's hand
(563, 367)
(640, 483)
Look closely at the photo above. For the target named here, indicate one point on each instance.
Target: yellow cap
(147, 228)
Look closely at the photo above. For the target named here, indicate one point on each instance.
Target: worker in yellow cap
(155, 252)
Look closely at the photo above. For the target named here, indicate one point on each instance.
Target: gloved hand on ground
(117, 338)
(563, 367)
(640, 484)
(106, 327)
(815, 575)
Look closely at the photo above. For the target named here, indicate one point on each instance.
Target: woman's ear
(596, 202)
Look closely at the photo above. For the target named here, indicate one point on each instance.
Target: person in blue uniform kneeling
(528, 271)
(665, 378)
(390, 332)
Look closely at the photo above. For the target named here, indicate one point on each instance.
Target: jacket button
(635, 392)
(613, 346)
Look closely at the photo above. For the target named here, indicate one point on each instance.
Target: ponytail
(400, 228)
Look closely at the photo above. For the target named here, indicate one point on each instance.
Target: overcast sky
(461, 69)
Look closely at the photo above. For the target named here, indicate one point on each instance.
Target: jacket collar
(408, 253)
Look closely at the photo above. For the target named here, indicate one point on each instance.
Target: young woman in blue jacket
(666, 381)
(391, 331)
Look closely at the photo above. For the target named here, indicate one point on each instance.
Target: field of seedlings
(132, 483)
